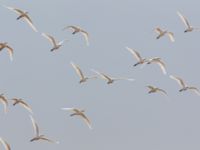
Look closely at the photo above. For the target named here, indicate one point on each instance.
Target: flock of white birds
(23, 15)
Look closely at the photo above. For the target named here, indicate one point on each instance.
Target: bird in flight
(37, 134)
(161, 33)
(56, 45)
(110, 79)
(23, 15)
(80, 73)
(5, 144)
(10, 50)
(159, 62)
(76, 29)
(137, 56)
(183, 86)
(80, 113)
(153, 89)
(22, 103)
(4, 100)
(189, 28)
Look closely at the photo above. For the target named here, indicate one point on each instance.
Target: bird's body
(185, 87)
(189, 28)
(156, 89)
(76, 29)
(10, 50)
(80, 113)
(38, 136)
(23, 15)
(161, 33)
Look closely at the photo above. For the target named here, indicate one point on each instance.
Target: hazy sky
(123, 115)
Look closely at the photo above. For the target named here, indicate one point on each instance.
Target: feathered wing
(158, 30)
(50, 38)
(5, 144)
(73, 28)
(78, 70)
(171, 36)
(128, 79)
(161, 64)
(135, 54)
(35, 126)
(29, 21)
(151, 87)
(184, 20)
(49, 140)
(69, 109)
(5, 103)
(196, 90)
(162, 91)
(87, 121)
(103, 76)
(10, 52)
(86, 36)
(26, 106)
(179, 80)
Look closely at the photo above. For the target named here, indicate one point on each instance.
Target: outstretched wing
(160, 63)
(5, 103)
(135, 54)
(196, 90)
(158, 30)
(26, 106)
(87, 121)
(29, 21)
(5, 144)
(102, 75)
(171, 36)
(151, 87)
(179, 80)
(10, 52)
(49, 140)
(162, 91)
(35, 126)
(78, 70)
(50, 38)
(184, 19)
(86, 36)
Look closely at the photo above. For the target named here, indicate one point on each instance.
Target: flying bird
(76, 29)
(23, 15)
(189, 28)
(159, 62)
(5, 144)
(37, 134)
(10, 50)
(56, 45)
(80, 73)
(110, 79)
(153, 89)
(183, 86)
(22, 103)
(137, 56)
(80, 113)
(161, 33)
(4, 100)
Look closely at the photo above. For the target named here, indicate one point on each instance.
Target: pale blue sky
(123, 115)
